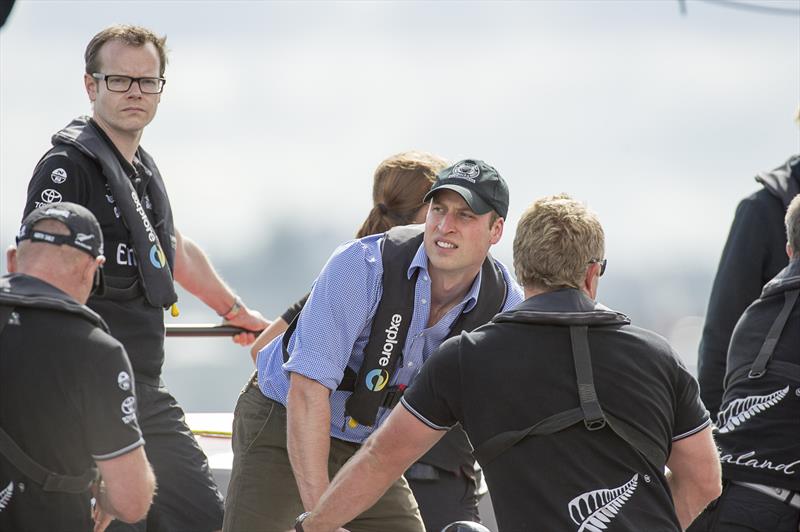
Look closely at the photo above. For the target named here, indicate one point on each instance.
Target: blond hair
(792, 221)
(556, 238)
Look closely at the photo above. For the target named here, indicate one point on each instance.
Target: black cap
(84, 230)
(478, 183)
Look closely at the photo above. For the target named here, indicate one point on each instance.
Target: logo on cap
(157, 257)
(51, 196)
(466, 170)
(59, 175)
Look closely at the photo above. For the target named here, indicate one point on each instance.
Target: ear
(11, 259)
(591, 279)
(496, 231)
(91, 86)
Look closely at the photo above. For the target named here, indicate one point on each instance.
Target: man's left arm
(193, 270)
(694, 475)
(396, 445)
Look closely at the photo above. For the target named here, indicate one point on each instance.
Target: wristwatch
(298, 524)
(235, 309)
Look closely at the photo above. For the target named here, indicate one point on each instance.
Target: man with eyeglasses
(573, 412)
(97, 162)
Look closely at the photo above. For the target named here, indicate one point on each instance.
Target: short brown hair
(793, 226)
(556, 238)
(130, 35)
(400, 183)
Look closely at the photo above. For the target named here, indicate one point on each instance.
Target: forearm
(194, 272)
(687, 504)
(357, 486)
(367, 476)
(308, 437)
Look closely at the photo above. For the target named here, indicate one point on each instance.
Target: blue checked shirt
(334, 326)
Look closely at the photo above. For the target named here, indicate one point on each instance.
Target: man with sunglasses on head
(98, 162)
(573, 411)
(67, 399)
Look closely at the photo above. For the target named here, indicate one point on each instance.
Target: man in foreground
(66, 393)
(380, 306)
(758, 427)
(98, 162)
(573, 411)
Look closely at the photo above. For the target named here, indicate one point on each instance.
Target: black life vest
(759, 422)
(392, 320)
(16, 291)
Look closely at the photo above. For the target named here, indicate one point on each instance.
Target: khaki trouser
(263, 496)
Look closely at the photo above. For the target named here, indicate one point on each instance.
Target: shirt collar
(420, 262)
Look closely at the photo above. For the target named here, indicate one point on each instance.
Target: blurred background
(655, 113)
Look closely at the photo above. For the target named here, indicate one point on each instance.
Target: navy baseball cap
(478, 183)
(84, 231)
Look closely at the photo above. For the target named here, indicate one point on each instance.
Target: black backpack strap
(47, 479)
(589, 411)
(592, 412)
(759, 367)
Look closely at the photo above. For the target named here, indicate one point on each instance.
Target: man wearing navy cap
(67, 402)
(379, 307)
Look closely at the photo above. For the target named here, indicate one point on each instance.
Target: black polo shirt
(66, 174)
(508, 376)
(758, 427)
(67, 399)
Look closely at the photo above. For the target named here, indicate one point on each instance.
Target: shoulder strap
(47, 479)
(759, 367)
(589, 411)
(390, 325)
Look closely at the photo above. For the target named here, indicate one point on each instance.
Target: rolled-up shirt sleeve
(339, 308)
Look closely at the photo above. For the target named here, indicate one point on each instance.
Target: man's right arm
(694, 475)
(308, 411)
(127, 486)
(338, 310)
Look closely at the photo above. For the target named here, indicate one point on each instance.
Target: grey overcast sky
(275, 115)
(281, 110)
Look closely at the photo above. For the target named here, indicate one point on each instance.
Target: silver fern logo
(5, 496)
(593, 510)
(745, 408)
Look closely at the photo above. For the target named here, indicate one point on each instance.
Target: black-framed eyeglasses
(602, 263)
(119, 83)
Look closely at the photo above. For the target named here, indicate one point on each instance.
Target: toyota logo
(51, 196)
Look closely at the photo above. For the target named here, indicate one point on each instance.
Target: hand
(100, 516)
(252, 320)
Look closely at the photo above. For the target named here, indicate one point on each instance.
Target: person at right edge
(758, 427)
(753, 254)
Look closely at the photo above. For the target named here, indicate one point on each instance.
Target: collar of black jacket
(565, 306)
(787, 279)
(19, 289)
